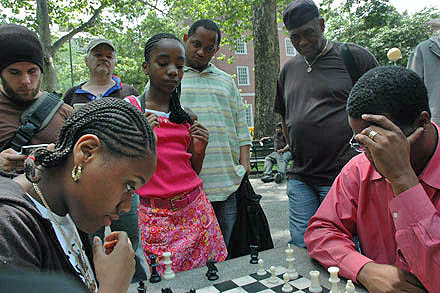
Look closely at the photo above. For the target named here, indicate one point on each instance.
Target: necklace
(80, 259)
(309, 68)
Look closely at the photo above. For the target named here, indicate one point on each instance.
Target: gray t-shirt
(313, 106)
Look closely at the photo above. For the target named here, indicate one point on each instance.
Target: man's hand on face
(389, 150)
(10, 160)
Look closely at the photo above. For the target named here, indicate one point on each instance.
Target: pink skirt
(192, 234)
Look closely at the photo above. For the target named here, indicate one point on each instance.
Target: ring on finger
(372, 134)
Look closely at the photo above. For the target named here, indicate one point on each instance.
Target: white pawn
(273, 279)
(315, 285)
(169, 274)
(334, 280)
(286, 287)
(350, 288)
(261, 271)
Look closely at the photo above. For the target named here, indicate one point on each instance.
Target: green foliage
(377, 26)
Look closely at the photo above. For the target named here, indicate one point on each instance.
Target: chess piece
(155, 277)
(212, 270)
(169, 274)
(350, 288)
(261, 271)
(166, 290)
(273, 279)
(254, 254)
(291, 271)
(141, 287)
(286, 287)
(315, 285)
(334, 280)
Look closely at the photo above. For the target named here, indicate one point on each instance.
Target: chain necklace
(309, 68)
(80, 260)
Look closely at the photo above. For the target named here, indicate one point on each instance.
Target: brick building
(243, 67)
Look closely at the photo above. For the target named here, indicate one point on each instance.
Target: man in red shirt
(387, 196)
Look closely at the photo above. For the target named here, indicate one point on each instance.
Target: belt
(178, 202)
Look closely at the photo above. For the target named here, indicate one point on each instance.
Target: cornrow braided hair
(177, 114)
(121, 128)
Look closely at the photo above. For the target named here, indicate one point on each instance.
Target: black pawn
(212, 270)
(141, 287)
(155, 277)
(166, 290)
(254, 254)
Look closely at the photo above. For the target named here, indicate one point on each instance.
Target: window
(290, 49)
(241, 48)
(243, 75)
(249, 115)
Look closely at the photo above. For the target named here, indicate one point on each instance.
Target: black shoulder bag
(35, 118)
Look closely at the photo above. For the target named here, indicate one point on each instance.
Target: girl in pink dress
(174, 213)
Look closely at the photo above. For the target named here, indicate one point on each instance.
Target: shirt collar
(210, 69)
(115, 87)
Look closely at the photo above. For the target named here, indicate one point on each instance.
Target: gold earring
(76, 173)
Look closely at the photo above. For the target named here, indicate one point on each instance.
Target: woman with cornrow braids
(174, 213)
(105, 151)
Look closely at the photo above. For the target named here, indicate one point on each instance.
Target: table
(237, 267)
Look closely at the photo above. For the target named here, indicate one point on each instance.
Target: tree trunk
(50, 75)
(267, 65)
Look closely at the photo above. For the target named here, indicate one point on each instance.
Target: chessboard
(260, 284)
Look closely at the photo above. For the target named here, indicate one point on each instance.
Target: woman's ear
(145, 68)
(86, 149)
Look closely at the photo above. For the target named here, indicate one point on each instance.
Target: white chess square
(270, 285)
(301, 283)
(235, 290)
(245, 280)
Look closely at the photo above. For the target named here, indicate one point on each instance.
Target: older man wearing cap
(101, 61)
(311, 97)
(21, 68)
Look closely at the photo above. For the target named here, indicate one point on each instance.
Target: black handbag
(251, 226)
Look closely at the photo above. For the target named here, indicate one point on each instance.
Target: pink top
(174, 173)
(403, 231)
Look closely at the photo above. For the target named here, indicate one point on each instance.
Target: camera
(28, 149)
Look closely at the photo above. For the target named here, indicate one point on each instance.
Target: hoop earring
(76, 173)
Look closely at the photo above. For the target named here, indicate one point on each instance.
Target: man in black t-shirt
(311, 97)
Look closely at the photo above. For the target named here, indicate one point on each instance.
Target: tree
(377, 26)
(45, 15)
(267, 63)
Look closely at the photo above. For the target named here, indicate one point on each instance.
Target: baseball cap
(94, 43)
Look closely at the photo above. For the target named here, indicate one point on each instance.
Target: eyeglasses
(359, 147)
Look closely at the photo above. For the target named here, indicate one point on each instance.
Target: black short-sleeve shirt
(313, 106)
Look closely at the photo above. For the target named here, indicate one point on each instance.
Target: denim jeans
(226, 213)
(128, 222)
(304, 200)
(282, 161)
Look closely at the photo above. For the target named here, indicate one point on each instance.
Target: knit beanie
(18, 44)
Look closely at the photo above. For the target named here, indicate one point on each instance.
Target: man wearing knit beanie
(21, 68)
(312, 91)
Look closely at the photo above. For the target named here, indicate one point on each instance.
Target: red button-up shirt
(403, 231)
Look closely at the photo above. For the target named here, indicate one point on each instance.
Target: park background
(254, 46)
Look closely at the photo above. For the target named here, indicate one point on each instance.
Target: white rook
(334, 280)
(315, 285)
